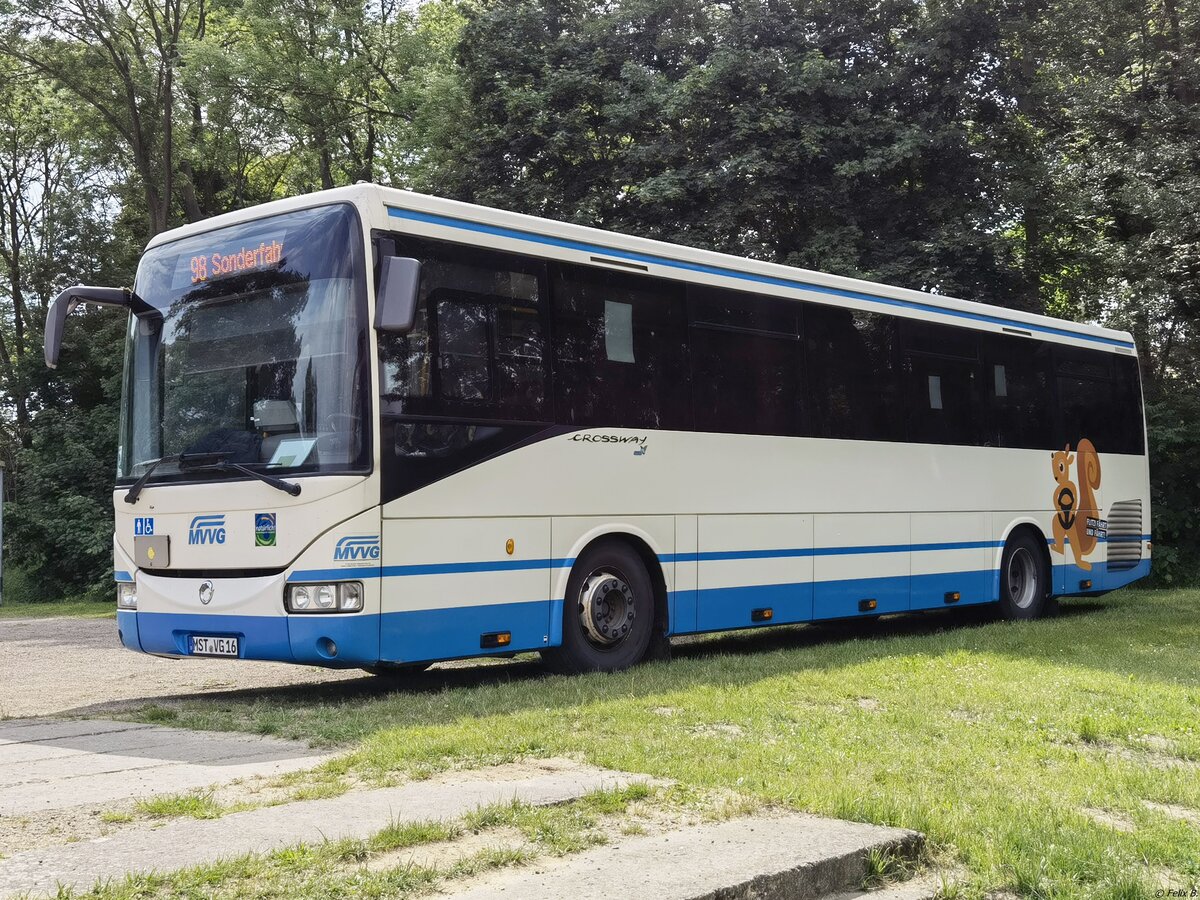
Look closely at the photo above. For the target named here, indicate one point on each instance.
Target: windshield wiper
(194, 461)
(131, 496)
(288, 487)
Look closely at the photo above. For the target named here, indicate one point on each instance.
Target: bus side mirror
(396, 299)
(65, 303)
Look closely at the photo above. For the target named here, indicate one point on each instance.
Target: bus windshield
(248, 345)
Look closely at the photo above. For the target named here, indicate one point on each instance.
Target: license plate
(214, 646)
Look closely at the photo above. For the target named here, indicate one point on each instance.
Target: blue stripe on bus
(121, 575)
(509, 565)
(715, 555)
(454, 568)
(568, 244)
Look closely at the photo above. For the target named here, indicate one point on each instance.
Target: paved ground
(50, 666)
(188, 842)
(772, 858)
(53, 765)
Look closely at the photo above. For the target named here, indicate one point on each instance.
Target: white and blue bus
(371, 428)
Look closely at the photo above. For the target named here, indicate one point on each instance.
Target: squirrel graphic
(1072, 508)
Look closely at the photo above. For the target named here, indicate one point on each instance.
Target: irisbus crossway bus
(371, 428)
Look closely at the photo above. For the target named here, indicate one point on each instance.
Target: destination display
(220, 260)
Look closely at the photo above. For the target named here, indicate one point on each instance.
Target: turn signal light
(762, 615)
(953, 596)
(1085, 585)
(867, 605)
(495, 639)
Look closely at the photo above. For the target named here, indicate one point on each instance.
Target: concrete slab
(184, 843)
(795, 857)
(47, 766)
(927, 886)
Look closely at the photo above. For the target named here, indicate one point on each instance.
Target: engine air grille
(1124, 534)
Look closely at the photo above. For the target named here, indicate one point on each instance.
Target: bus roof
(616, 251)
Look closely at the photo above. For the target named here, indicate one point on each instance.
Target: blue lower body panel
(720, 608)
(929, 591)
(431, 634)
(127, 629)
(353, 639)
(1067, 578)
(840, 599)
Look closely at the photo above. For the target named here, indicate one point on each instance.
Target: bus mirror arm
(64, 304)
(396, 301)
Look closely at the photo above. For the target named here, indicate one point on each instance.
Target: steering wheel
(349, 420)
(430, 439)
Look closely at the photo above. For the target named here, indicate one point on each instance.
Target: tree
(120, 61)
(855, 139)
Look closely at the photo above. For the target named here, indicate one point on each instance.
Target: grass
(335, 869)
(196, 804)
(81, 609)
(990, 737)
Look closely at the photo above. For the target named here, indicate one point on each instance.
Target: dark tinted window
(1131, 426)
(941, 374)
(618, 350)
(1098, 399)
(747, 364)
(1020, 401)
(739, 309)
(854, 374)
(478, 347)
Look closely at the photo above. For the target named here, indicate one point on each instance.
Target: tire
(1024, 579)
(608, 614)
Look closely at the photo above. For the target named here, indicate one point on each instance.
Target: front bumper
(347, 640)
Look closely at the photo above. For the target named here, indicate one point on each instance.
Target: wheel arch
(1017, 526)
(642, 543)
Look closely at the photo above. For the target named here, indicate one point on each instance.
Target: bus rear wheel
(608, 616)
(1024, 579)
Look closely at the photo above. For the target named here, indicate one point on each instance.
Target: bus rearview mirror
(396, 301)
(65, 303)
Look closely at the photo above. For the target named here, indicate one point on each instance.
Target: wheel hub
(606, 608)
(1022, 578)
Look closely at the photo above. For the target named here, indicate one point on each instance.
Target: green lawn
(85, 609)
(1027, 751)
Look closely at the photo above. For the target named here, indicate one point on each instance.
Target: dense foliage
(1038, 155)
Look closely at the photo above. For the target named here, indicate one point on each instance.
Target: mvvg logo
(207, 530)
(352, 548)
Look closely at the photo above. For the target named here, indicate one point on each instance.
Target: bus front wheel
(608, 615)
(1024, 578)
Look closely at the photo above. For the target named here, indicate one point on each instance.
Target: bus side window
(942, 365)
(747, 364)
(1130, 425)
(618, 349)
(854, 374)
(1016, 379)
(477, 350)
(1098, 399)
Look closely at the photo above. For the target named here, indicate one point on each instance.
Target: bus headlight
(350, 596)
(126, 596)
(343, 596)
